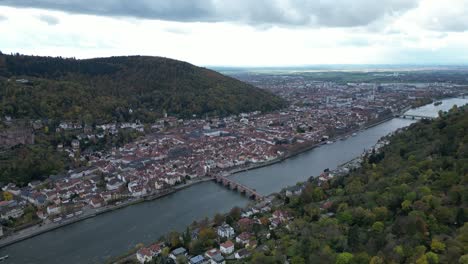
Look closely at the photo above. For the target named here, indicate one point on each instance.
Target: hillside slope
(407, 204)
(105, 89)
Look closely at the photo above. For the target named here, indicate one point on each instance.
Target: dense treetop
(105, 89)
(407, 204)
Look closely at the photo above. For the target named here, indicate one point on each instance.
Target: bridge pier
(232, 185)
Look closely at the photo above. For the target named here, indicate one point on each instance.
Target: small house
(178, 252)
(227, 247)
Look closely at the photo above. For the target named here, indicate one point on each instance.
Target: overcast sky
(242, 32)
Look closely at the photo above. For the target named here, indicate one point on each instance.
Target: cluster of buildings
(178, 151)
(234, 242)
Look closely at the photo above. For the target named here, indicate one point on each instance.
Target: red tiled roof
(327, 205)
(245, 221)
(145, 252)
(213, 252)
(227, 244)
(244, 236)
(155, 248)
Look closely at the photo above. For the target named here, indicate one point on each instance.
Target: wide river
(96, 239)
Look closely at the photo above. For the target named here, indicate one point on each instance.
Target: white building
(114, 184)
(144, 255)
(226, 231)
(53, 209)
(227, 247)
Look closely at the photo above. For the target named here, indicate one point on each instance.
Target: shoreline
(127, 255)
(306, 148)
(29, 232)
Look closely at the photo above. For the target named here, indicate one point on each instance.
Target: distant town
(174, 153)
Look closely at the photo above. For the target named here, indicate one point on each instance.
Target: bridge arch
(232, 185)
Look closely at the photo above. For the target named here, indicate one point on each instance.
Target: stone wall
(12, 136)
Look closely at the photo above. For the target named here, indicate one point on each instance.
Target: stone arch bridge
(232, 185)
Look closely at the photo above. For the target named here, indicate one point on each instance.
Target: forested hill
(407, 204)
(105, 89)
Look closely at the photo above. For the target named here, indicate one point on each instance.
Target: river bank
(99, 238)
(307, 147)
(39, 229)
(130, 255)
(111, 234)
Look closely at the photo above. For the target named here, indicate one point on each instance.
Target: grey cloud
(2, 18)
(328, 13)
(177, 10)
(360, 12)
(51, 20)
(452, 24)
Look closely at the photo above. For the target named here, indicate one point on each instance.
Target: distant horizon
(318, 66)
(222, 33)
(349, 65)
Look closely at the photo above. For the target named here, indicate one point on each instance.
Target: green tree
(463, 259)
(206, 234)
(165, 252)
(345, 217)
(422, 260)
(432, 258)
(218, 219)
(381, 213)
(174, 239)
(181, 259)
(437, 246)
(376, 260)
(318, 194)
(187, 237)
(235, 213)
(260, 258)
(344, 258)
(378, 227)
(406, 205)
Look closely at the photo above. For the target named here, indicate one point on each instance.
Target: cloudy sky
(242, 32)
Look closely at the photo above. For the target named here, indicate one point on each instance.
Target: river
(110, 234)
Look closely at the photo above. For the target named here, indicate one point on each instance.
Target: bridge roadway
(251, 193)
(410, 116)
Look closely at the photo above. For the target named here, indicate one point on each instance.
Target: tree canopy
(121, 88)
(408, 206)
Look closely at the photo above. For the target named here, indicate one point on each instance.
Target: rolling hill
(121, 88)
